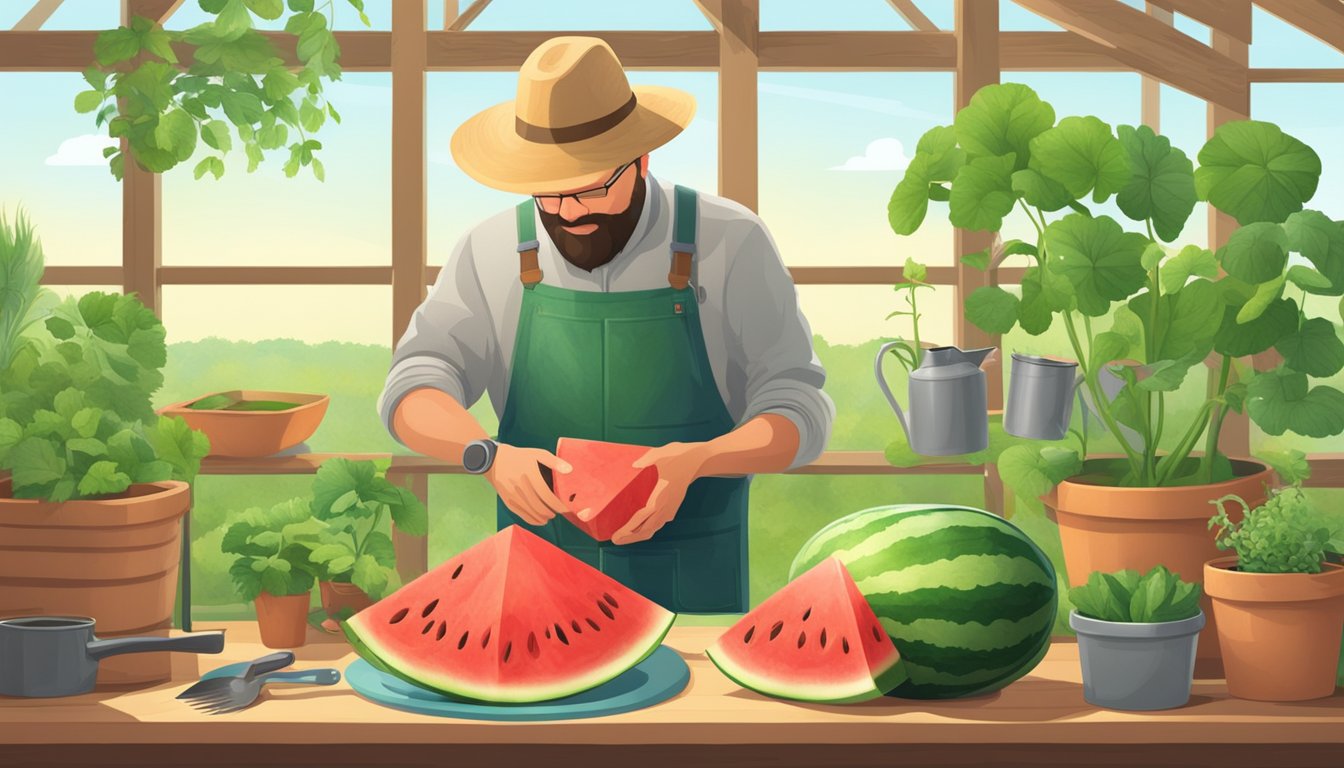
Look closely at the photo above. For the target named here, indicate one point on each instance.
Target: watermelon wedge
(814, 640)
(513, 619)
(603, 480)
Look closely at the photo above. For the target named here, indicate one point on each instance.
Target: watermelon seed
(574, 625)
(429, 608)
(844, 644)
(747, 637)
(605, 609)
(802, 638)
(532, 646)
(560, 633)
(775, 630)
(573, 496)
(610, 599)
(508, 649)
(877, 636)
(428, 627)
(463, 642)
(486, 640)
(443, 630)
(807, 613)
(548, 633)
(399, 615)
(823, 637)
(593, 624)
(457, 572)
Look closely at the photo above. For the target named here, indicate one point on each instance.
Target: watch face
(473, 458)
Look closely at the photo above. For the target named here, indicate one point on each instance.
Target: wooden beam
(1054, 51)
(409, 52)
(156, 10)
(1290, 75)
(1322, 19)
(913, 16)
(506, 51)
(1210, 13)
(450, 9)
(72, 51)
(1148, 46)
(275, 275)
(37, 15)
(82, 276)
(1151, 100)
(739, 24)
(466, 17)
(857, 51)
(712, 10)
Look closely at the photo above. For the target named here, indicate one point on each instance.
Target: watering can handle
(882, 382)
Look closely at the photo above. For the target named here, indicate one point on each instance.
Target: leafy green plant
(1169, 308)
(352, 498)
(23, 300)
(1283, 535)
(76, 419)
(1124, 596)
(273, 547)
(915, 275)
(234, 83)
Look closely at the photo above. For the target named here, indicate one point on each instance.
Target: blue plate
(656, 679)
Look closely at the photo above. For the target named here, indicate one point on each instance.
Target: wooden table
(1040, 720)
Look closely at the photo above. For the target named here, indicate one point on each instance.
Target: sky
(832, 146)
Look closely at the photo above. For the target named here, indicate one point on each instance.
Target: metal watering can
(948, 400)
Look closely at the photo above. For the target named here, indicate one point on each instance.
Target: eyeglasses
(552, 203)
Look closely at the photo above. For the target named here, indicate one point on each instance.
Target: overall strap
(528, 271)
(684, 221)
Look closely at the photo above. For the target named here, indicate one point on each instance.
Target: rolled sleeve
(771, 342)
(447, 344)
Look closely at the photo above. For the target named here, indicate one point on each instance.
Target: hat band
(579, 132)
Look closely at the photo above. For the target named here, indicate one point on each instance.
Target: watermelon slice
(814, 640)
(603, 480)
(513, 619)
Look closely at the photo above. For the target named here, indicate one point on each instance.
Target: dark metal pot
(58, 655)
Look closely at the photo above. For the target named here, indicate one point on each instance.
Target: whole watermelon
(966, 596)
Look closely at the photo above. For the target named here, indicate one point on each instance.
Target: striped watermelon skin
(967, 597)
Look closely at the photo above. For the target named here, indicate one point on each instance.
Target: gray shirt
(461, 338)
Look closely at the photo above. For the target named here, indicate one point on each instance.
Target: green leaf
(1100, 260)
(914, 271)
(152, 81)
(179, 445)
(96, 78)
(978, 260)
(1255, 253)
(87, 446)
(10, 435)
(1032, 472)
(34, 463)
(1162, 184)
(1281, 400)
(1321, 241)
(85, 421)
(1153, 254)
(215, 134)
(1081, 154)
(1314, 350)
(379, 546)
(319, 171)
(336, 478)
(336, 116)
(1002, 120)
(1044, 292)
(909, 201)
(1265, 294)
(88, 101)
(176, 133)
(328, 552)
(310, 116)
(1292, 466)
(301, 5)
(266, 9)
(202, 168)
(982, 194)
(1107, 346)
(233, 20)
(242, 108)
(246, 582)
(103, 478)
(158, 42)
(279, 83)
(1039, 191)
(1309, 279)
(1241, 339)
(992, 309)
(369, 576)
(408, 513)
(1186, 322)
(1255, 172)
(943, 158)
(1192, 261)
(116, 45)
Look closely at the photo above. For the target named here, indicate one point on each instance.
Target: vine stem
(1216, 421)
(1089, 377)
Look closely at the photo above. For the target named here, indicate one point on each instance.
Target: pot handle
(201, 642)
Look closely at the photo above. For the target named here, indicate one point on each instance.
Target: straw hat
(576, 115)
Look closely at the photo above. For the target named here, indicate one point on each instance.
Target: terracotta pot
(1280, 631)
(254, 433)
(115, 560)
(283, 619)
(1106, 528)
(339, 595)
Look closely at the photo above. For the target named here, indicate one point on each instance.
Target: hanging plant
(231, 81)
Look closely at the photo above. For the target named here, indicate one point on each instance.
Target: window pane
(875, 15)
(587, 15)
(1276, 43)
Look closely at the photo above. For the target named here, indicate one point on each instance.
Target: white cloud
(885, 154)
(82, 150)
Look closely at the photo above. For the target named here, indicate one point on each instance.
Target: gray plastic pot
(1137, 666)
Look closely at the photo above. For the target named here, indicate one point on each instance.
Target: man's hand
(678, 465)
(517, 479)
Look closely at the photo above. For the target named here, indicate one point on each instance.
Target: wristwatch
(479, 455)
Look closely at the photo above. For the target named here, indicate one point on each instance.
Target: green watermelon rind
(811, 553)
(785, 689)
(366, 651)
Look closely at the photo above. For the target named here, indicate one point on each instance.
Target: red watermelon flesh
(603, 480)
(513, 619)
(815, 640)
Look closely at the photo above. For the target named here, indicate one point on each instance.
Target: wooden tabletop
(1040, 720)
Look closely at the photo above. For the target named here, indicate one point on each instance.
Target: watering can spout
(978, 357)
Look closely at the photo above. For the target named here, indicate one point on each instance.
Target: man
(633, 312)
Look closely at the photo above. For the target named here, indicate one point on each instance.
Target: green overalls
(631, 367)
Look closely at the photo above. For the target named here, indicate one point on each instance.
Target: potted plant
(355, 559)
(1137, 637)
(1280, 602)
(93, 483)
(273, 568)
(1121, 294)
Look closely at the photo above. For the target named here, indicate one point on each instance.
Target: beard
(590, 251)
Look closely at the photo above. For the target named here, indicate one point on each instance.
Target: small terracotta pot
(1108, 528)
(243, 434)
(283, 620)
(1280, 632)
(339, 595)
